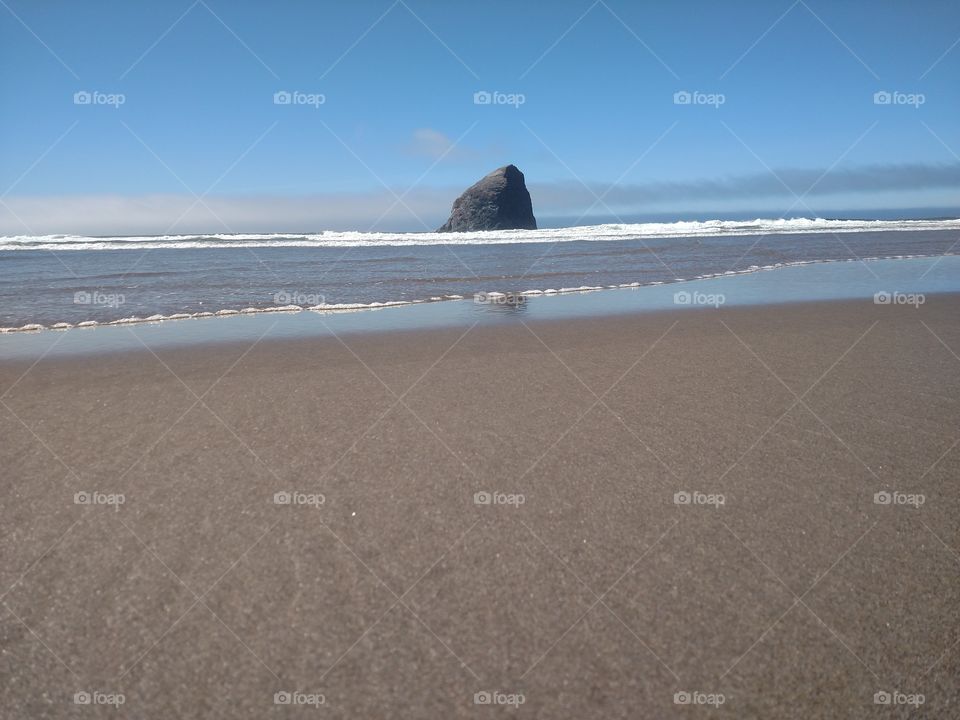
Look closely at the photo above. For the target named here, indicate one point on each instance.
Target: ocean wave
(591, 233)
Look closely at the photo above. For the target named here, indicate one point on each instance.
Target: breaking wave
(591, 233)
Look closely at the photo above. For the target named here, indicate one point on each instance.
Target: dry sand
(399, 596)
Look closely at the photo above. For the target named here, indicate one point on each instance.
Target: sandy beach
(570, 519)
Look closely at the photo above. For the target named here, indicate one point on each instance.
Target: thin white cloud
(430, 143)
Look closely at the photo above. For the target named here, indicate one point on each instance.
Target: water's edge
(492, 296)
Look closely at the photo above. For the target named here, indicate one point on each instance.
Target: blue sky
(786, 95)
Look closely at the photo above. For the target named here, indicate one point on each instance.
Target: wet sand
(583, 586)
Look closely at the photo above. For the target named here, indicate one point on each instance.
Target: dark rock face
(500, 201)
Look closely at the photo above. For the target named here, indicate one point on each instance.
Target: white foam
(332, 307)
(134, 320)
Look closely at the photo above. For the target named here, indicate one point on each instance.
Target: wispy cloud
(866, 179)
(430, 143)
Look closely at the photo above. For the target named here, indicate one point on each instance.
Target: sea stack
(500, 201)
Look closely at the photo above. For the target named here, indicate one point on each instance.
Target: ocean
(60, 281)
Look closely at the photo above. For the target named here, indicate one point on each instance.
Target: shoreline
(379, 305)
(508, 322)
(599, 424)
(796, 284)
